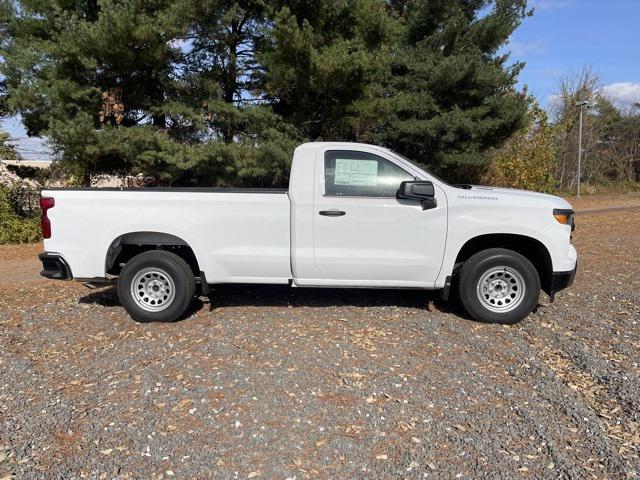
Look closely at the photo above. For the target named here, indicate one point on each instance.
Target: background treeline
(611, 135)
(210, 92)
(544, 155)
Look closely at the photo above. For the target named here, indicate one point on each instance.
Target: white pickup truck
(354, 215)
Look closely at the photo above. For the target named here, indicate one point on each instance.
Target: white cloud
(553, 99)
(622, 93)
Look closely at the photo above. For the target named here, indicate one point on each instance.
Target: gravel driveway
(271, 382)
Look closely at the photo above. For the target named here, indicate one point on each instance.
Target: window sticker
(359, 173)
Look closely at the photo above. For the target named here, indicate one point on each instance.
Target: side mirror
(418, 190)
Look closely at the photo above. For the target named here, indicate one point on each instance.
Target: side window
(352, 173)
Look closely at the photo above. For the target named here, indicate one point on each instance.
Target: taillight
(45, 204)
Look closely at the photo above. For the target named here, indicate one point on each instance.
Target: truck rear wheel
(156, 286)
(499, 286)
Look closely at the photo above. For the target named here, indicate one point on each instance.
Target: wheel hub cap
(153, 289)
(501, 289)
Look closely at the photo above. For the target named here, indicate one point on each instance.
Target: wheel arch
(128, 245)
(531, 248)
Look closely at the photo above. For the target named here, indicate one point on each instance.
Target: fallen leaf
(182, 404)
(412, 465)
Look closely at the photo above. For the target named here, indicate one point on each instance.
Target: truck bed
(171, 189)
(238, 235)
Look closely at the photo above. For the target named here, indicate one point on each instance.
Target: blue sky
(561, 38)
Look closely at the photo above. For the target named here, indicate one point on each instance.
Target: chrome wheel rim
(501, 289)
(153, 289)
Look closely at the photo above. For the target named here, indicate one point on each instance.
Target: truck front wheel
(156, 286)
(499, 286)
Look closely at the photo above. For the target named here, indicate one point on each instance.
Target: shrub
(15, 227)
(528, 159)
(631, 186)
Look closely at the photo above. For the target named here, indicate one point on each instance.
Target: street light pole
(581, 105)
(580, 149)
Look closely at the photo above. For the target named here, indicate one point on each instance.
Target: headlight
(565, 217)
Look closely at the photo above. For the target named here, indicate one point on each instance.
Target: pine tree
(321, 57)
(144, 86)
(218, 92)
(449, 94)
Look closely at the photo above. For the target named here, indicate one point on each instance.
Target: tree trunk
(231, 81)
(86, 178)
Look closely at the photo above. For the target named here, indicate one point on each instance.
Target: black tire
(171, 273)
(496, 275)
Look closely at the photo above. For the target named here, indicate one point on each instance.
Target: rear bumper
(54, 266)
(562, 280)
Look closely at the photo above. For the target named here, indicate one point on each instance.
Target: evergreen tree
(449, 94)
(218, 92)
(77, 71)
(321, 57)
(143, 86)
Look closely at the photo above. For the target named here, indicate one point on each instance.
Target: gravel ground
(271, 382)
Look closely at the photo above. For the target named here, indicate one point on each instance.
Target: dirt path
(592, 211)
(19, 263)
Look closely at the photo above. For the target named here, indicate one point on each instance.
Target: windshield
(420, 167)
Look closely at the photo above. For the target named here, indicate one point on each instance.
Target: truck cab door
(363, 235)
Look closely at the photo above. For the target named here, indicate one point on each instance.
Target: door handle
(332, 213)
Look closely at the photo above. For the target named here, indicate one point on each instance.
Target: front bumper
(562, 280)
(54, 266)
